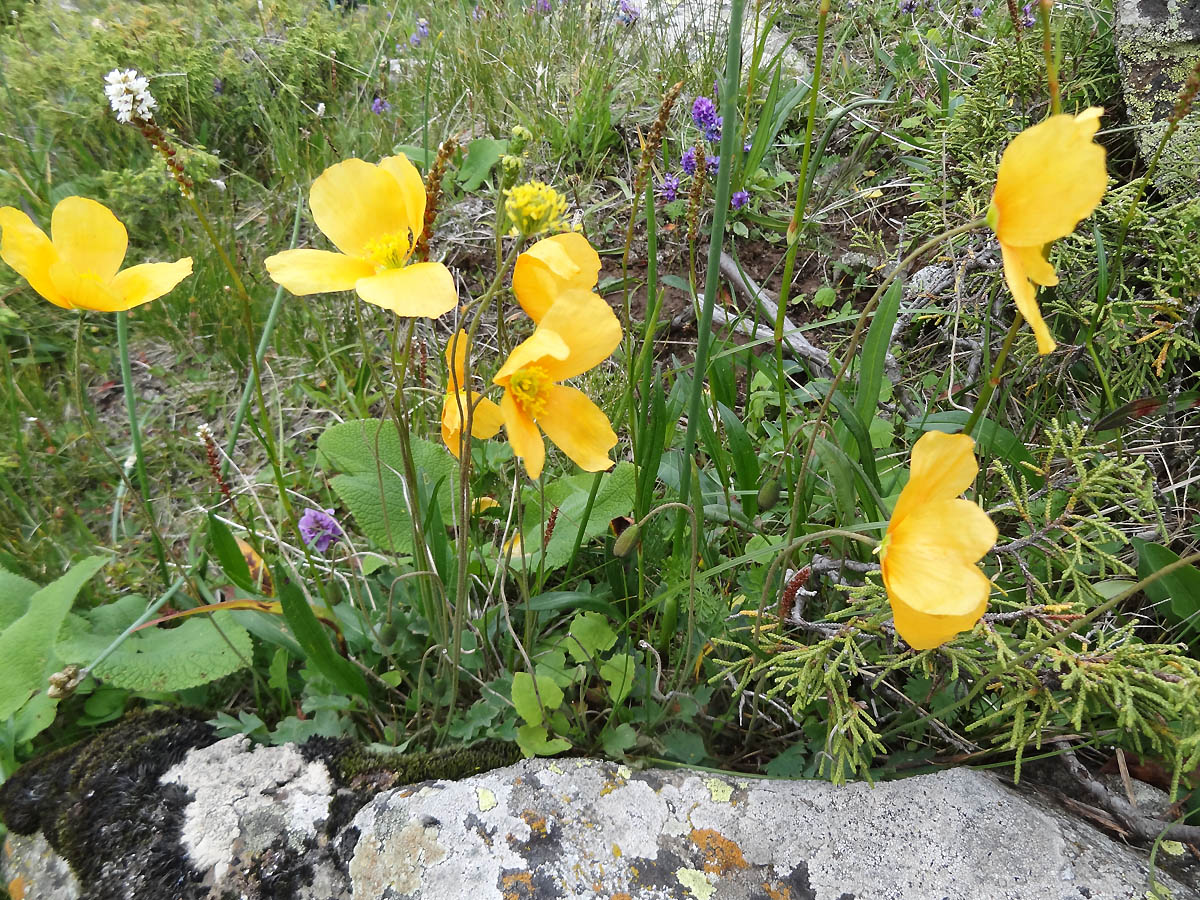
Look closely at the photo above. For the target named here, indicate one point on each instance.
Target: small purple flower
(704, 112)
(713, 162)
(668, 188)
(746, 147)
(1027, 15)
(477, 13)
(319, 529)
(423, 28)
(627, 12)
(688, 161)
(739, 199)
(908, 6)
(977, 12)
(379, 106)
(712, 131)
(543, 7)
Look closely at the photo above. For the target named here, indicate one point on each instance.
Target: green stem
(135, 435)
(264, 342)
(733, 58)
(993, 380)
(1048, 55)
(797, 486)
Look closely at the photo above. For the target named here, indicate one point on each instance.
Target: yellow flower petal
(456, 360)
(590, 329)
(88, 236)
(80, 290)
(485, 420)
(923, 631)
(422, 289)
(578, 427)
(1050, 177)
(541, 348)
(354, 203)
(412, 186)
(524, 436)
(552, 266)
(316, 271)
(149, 281)
(942, 467)
(1025, 295)
(28, 250)
(929, 560)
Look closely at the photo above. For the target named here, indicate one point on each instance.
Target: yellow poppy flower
(78, 266)
(577, 333)
(374, 215)
(933, 542)
(551, 266)
(485, 420)
(1050, 178)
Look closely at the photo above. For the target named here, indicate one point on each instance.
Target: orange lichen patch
(517, 886)
(536, 823)
(721, 855)
(16, 888)
(621, 896)
(783, 892)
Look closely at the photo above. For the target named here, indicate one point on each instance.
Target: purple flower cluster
(908, 6)
(1027, 15)
(704, 114)
(319, 529)
(668, 188)
(543, 7)
(977, 12)
(379, 106)
(627, 13)
(420, 34)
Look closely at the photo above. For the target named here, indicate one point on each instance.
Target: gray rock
(586, 829)
(265, 823)
(1158, 46)
(33, 871)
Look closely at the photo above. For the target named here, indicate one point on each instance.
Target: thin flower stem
(466, 417)
(135, 436)
(797, 223)
(993, 381)
(1048, 55)
(733, 65)
(264, 341)
(797, 485)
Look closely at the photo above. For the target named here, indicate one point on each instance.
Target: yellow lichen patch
(517, 886)
(718, 790)
(487, 799)
(696, 883)
(782, 892)
(616, 851)
(536, 823)
(721, 855)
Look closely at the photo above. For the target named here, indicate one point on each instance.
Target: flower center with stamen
(528, 389)
(391, 251)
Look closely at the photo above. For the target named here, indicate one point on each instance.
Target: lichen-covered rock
(1158, 46)
(154, 809)
(545, 830)
(255, 813)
